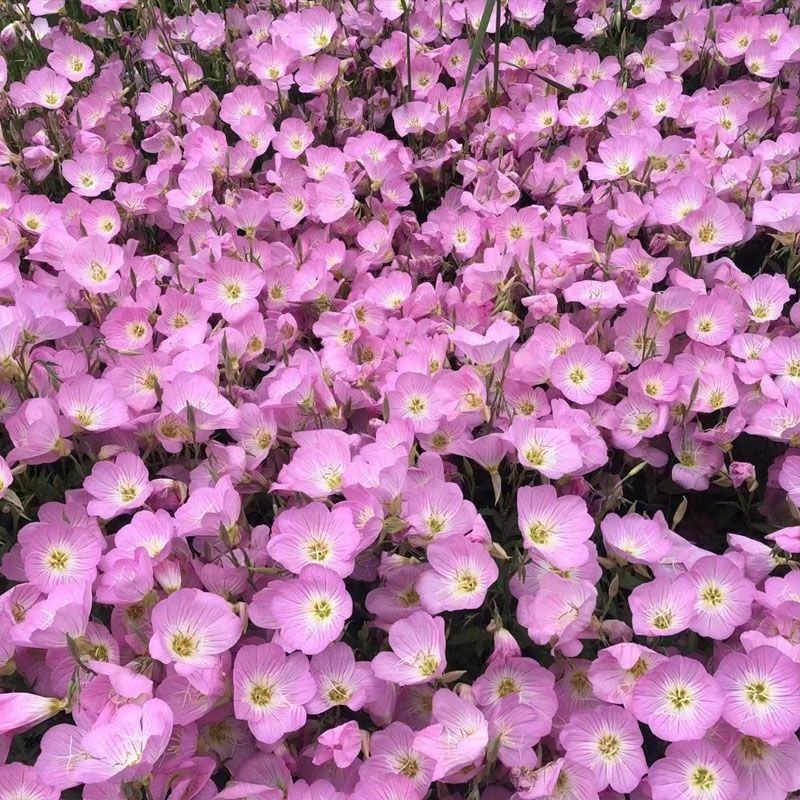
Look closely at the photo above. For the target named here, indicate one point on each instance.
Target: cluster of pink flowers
(400, 399)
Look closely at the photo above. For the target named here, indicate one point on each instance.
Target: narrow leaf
(477, 45)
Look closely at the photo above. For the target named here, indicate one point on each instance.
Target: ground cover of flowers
(399, 399)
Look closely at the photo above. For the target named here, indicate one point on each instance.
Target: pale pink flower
(269, 690)
(458, 736)
(192, 628)
(315, 535)
(117, 487)
(762, 693)
(607, 741)
(88, 173)
(546, 450)
(554, 527)
(417, 654)
(309, 611)
(460, 575)
(693, 771)
(722, 596)
(677, 699)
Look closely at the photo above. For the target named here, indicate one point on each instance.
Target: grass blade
(477, 45)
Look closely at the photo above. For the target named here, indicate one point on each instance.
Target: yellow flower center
(757, 693)
(707, 232)
(536, 455)
(318, 550)
(338, 693)
(97, 272)
(679, 698)
(127, 492)
(183, 645)
(261, 695)
(712, 595)
(507, 686)
(321, 609)
(427, 665)
(539, 533)
(467, 582)
(703, 779)
(59, 560)
(408, 766)
(663, 620)
(232, 291)
(609, 746)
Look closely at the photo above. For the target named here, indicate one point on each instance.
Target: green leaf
(477, 45)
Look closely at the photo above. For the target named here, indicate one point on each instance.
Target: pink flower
(634, 538)
(711, 320)
(549, 780)
(417, 653)
(294, 136)
(458, 736)
(211, 511)
(315, 535)
(333, 199)
(677, 699)
(309, 31)
(488, 348)
(71, 59)
(523, 679)
(581, 374)
(318, 466)
(392, 753)
(414, 397)
(20, 711)
(662, 607)
(412, 117)
(91, 404)
(88, 173)
(546, 450)
(119, 487)
(781, 212)
(722, 597)
(55, 555)
(19, 780)
(309, 611)
(438, 510)
(42, 87)
(191, 628)
(269, 690)
(620, 156)
(765, 771)
(554, 527)
(607, 741)
(761, 693)
(460, 575)
(94, 264)
(197, 403)
(38, 433)
(340, 744)
(711, 227)
(6, 477)
(559, 611)
(766, 296)
(231, 289)
(617, 670)
(513, 725)
(692, 771)
(340, 679)
(130, 742)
